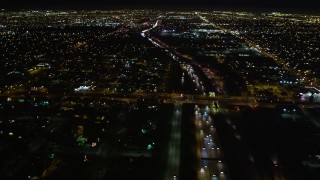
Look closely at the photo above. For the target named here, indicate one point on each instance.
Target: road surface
(173, 161)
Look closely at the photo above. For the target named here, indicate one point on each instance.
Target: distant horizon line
(161, 8)
(294, 5)
(58, 7)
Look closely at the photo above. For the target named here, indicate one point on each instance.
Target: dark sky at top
(105, 4)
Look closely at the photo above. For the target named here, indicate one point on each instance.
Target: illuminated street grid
(102, 52)
(99, 94)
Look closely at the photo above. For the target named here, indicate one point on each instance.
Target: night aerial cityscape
(130, 90)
